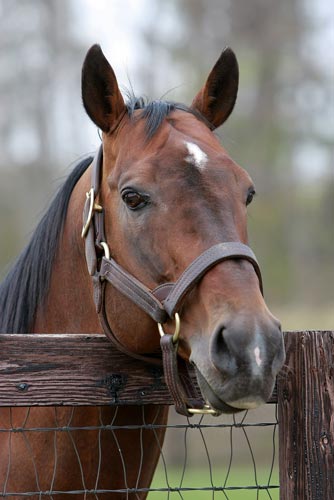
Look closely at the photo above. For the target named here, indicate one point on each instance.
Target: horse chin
(211, 398)
(230, 405)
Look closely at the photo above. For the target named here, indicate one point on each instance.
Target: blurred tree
(283, 91)
(39, 119)
(39, 59)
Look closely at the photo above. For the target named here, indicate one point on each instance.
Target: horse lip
(214, 401)
(232, 405)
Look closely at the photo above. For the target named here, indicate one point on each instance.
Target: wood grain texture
(72, 369)
(306, 417)
(68, 369)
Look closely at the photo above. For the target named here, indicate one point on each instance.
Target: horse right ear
(100, 93)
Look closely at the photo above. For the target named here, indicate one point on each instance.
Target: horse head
(170, 192)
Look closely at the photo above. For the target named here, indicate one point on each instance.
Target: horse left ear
(100, 93)
(215, 101)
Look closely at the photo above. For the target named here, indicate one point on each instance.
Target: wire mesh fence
(229, 457)
(69, 427)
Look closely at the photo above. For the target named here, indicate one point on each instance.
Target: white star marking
(196, 156)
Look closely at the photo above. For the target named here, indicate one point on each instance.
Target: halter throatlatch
(161, 304)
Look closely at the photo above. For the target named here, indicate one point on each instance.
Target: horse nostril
(237, 347)
(222, 356)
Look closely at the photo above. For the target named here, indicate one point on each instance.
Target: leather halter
(161, 304)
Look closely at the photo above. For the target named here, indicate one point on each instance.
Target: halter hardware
(176, 331)
(92, 207)
(161, 304)
(106, 249)
(206, 410)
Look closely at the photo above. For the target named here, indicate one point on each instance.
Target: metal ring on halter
(177, 328)
(106, 249)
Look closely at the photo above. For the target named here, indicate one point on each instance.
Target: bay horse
(165, 217)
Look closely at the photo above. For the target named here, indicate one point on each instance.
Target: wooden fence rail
(68, 369)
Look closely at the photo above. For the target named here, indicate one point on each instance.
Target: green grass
(200, 478)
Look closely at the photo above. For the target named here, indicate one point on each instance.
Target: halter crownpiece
(162, 303)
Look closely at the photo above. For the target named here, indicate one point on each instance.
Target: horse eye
(250, 196)
(134, 200)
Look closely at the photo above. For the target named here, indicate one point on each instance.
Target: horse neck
(69, 307)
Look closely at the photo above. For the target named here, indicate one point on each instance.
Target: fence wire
(227, 457)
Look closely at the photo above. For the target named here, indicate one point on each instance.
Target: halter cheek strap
(162, 303)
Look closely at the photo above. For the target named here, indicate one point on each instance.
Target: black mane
(27, 283)
(155, 112)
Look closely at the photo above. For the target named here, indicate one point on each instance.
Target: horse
(153, 229)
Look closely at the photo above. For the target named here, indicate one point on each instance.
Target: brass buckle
(92, 207)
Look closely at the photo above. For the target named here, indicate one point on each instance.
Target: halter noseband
(161, 304)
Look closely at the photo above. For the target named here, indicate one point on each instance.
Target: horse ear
(215, 101)
(100, 93)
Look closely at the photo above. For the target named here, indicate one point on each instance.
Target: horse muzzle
(236, 369)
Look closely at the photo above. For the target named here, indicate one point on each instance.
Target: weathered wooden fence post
(306, 417)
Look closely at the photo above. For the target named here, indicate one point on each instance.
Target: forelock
(155, 112)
